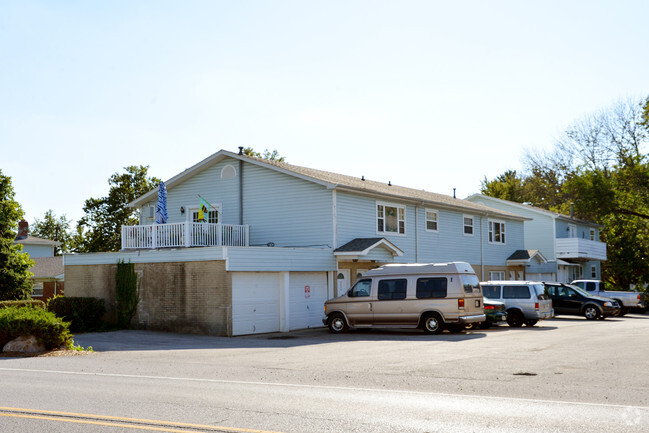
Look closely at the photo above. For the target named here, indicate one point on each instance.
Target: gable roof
(339, 182)
(525, 256)
(363, 246)
(535, 209)
(33, 240)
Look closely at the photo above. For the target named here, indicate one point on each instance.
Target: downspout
(481, 251)
(240, 187)
(416, 234)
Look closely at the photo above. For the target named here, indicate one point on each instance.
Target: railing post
(188, 242)
(154, 235)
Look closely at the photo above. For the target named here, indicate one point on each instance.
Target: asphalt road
(564, 375)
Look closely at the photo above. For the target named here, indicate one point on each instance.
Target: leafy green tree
(601, 166)
(507, 186)
(14, 264)
(100, 229)
(53, 228)
(269, 155)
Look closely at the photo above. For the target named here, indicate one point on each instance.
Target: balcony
(580, 249)
(184, 235)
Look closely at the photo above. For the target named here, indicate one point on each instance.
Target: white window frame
(593, 272)
(189, 212)
(427, 220)
(593, 236)
(380, 216)
(464, 225)
(572, 231)
(37, 289)
(492, 235)
(496, 275)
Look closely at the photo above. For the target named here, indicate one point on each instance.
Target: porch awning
(363, 246)
(522, 257)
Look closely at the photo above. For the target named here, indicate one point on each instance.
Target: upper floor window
(592, 235)
(468, 225)
(572, 231)
(431, 220)
(497, 232)
(391, 219)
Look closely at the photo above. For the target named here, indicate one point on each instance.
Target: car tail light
(638, 296)
(489, 307)
(536, 305)
(460, 304)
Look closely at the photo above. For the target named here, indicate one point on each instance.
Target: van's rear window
(470, 283)
(431, 288)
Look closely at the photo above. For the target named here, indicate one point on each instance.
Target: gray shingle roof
(47, 267)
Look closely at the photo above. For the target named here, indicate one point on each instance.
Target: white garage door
(308, 293)
(255, 302)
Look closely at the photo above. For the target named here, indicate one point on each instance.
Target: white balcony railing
(184, 235)
(577, 248)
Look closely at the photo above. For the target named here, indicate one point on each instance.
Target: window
(496, 232)
(212, 216)
(470, 283)
(431, 220)
(590, 286)
(360, 289)
(593, 272)
(391, 219)
(392, 289)
(37, 290)
(431, 288)
(572, 231)
(592, 235)
(497, 275)
(468, 225)
(516, 292)
(492, 292)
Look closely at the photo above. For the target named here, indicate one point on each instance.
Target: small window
(592, 235)
(431, 220)
(496, 232)
(516, 292)
(431, 288)
(392, 289)
(360, 289)
(593, 272)
(390, 219)
(497, 275)
(468, 225)
(37, 290)
(228, 172)
(552, 290)
(492, 292)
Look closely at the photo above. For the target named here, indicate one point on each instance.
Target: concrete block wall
(183, 297)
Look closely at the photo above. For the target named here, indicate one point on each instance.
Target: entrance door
(342, 281)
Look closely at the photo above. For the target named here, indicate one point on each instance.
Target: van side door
(359, 307)
(391, 306)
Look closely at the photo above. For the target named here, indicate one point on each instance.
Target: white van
(434, 297)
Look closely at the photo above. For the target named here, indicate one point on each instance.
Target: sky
(432, 95)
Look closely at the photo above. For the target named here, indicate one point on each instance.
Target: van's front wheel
(337, 323)
(433, 323)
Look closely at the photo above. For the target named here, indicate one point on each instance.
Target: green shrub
(27, 303)
(84, 314)
(22, 321)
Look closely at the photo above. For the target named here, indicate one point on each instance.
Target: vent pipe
(572, 210)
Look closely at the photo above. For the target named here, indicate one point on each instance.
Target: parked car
(627, 300)
(432, 296)
(571, 300)
(526, 301)
(494, 311)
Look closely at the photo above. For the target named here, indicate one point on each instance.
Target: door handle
(370, 305)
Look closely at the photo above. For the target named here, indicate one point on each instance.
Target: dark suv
(571, 300)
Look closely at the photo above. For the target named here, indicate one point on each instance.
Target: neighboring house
(281, 239)
(559, 247)
(48, 278)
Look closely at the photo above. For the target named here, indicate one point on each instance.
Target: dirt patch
(55, 352)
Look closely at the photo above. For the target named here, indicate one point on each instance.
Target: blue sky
(433, 95)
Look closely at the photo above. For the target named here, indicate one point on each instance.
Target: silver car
(526, 301)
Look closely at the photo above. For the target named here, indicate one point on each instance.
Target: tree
(100, 229)
(600, 165)
(54, 229)
(271, 156)
(507, 186)
(14, 264)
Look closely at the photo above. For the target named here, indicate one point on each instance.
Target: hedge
(28, 303)
(45, 326)
(84, 314)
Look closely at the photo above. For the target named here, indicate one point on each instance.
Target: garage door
(308, 293)
(255, 302)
